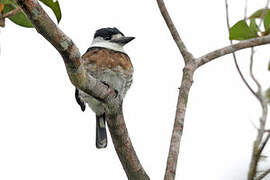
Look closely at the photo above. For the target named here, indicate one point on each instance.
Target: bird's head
(110, 38)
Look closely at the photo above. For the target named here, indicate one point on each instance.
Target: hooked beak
(123, 40)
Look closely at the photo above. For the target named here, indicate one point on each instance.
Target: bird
(107, 61)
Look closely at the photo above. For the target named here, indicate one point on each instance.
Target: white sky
(45, 136)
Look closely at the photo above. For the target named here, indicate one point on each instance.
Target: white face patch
(100, 42)
(116, 36)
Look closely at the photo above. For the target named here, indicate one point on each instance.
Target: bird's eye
(107, 37)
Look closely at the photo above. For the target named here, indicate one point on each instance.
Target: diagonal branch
(180, 44)
(77, 74)
(67, 49)
(123, 147)
(261, 148)
(231, 49)
(187, 80)
(265, 173)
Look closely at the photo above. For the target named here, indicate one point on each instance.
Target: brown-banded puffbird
(106, 61)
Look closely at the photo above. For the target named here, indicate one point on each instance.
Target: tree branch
(180, 44)
(187, 80)
(259, 87)
(79, 78)
(258, 144)
(232, 48)
(265, 173)
(263, 144)
(124, 148)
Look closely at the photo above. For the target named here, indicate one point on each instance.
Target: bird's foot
(105, 84)
(116, 92)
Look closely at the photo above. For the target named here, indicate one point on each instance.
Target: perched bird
(107, 61)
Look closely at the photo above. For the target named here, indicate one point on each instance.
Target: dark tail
(101, 135)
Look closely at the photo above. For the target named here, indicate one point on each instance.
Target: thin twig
(261, 148)
(232, 48)
(258, 145)
(245, 12)
(265, 173)
(252, 74)
(234, 55)
(180, 44)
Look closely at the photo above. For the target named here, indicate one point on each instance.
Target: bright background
(45, 136)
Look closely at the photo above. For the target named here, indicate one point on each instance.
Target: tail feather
(101, 135)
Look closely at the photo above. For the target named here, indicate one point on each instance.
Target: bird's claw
(116, 92)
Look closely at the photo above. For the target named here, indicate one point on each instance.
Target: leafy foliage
(253, 26)
(241, 31)
(21, 19)
(55, 7)
(266, 21)
(259, 13)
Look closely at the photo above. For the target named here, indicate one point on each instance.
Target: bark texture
(178, 127)
(187, 79)
(123, 147)
(233, 48)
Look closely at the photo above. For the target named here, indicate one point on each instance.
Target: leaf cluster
(242, 30)
(20, 18)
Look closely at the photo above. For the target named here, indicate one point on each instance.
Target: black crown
(107, 33)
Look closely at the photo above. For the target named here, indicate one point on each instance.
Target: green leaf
(55, 7)
(241, 31)
(253, 26)
(260, 13)
(7, 1)
(266, 21)
(19, 18)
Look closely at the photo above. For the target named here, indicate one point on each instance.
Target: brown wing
(104, 58)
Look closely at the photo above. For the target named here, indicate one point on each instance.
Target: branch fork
(191, 64)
